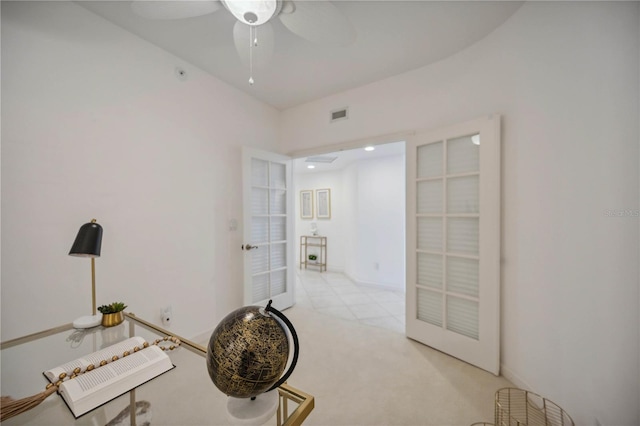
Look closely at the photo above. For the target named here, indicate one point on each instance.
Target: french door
(268, 229)
(453, 241)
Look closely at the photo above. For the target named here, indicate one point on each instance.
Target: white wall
(377, 257)
(332, 228)
(350, 242)
(565, 77)
(96, 125)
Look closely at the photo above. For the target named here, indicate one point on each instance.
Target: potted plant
(112, 314)
(313, 257)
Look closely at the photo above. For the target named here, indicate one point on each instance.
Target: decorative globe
(248, 352)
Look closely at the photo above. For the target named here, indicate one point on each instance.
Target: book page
(94, 388)
(94, 358)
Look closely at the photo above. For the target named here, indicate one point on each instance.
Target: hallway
(334, 294)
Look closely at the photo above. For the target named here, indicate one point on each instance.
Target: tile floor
(333, 293)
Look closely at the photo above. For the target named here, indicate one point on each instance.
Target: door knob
(249, 247)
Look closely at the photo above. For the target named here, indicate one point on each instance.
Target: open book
(96, 387)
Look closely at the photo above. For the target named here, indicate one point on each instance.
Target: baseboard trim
(378, 286)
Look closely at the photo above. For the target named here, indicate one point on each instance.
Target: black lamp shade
(88, 241)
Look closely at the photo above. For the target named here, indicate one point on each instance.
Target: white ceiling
(391, 37)
(346, 157)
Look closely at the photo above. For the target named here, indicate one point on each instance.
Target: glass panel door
(267, 241)
(453, 238)
(448, 217)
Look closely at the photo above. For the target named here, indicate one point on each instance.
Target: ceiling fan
(317, 21)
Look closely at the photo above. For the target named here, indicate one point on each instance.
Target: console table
(320, 244)
(184, 395)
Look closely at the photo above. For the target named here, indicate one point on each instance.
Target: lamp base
(88, 321)
(247, 412)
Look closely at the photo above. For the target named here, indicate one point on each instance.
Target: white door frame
(494, 128)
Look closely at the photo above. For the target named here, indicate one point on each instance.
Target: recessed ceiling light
(369, 148)
(311, 166)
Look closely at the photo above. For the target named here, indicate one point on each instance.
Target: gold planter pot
(109, 320)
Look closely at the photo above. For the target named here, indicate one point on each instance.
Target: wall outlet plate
(166, 315)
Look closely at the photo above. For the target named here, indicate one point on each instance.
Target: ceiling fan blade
(319, 22)
(176, 9)
(263, 52)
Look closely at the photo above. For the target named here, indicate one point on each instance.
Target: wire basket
(518, 407)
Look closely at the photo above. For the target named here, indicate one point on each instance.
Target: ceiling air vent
(320, 159)
(339, 114)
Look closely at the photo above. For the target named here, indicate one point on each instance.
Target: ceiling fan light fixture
(253, 12)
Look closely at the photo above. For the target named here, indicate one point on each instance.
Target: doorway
(365, 233)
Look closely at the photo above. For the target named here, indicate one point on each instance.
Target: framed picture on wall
(323, 203)
(306, 204)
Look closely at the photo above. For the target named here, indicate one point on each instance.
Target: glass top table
(184, 395)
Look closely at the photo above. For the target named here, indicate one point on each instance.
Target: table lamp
(87, 244)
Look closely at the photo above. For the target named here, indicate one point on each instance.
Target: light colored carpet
(365, 375)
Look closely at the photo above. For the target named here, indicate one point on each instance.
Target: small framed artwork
(323, 203)
(306, 204)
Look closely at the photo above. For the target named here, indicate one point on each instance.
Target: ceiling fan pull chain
(251, 43)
